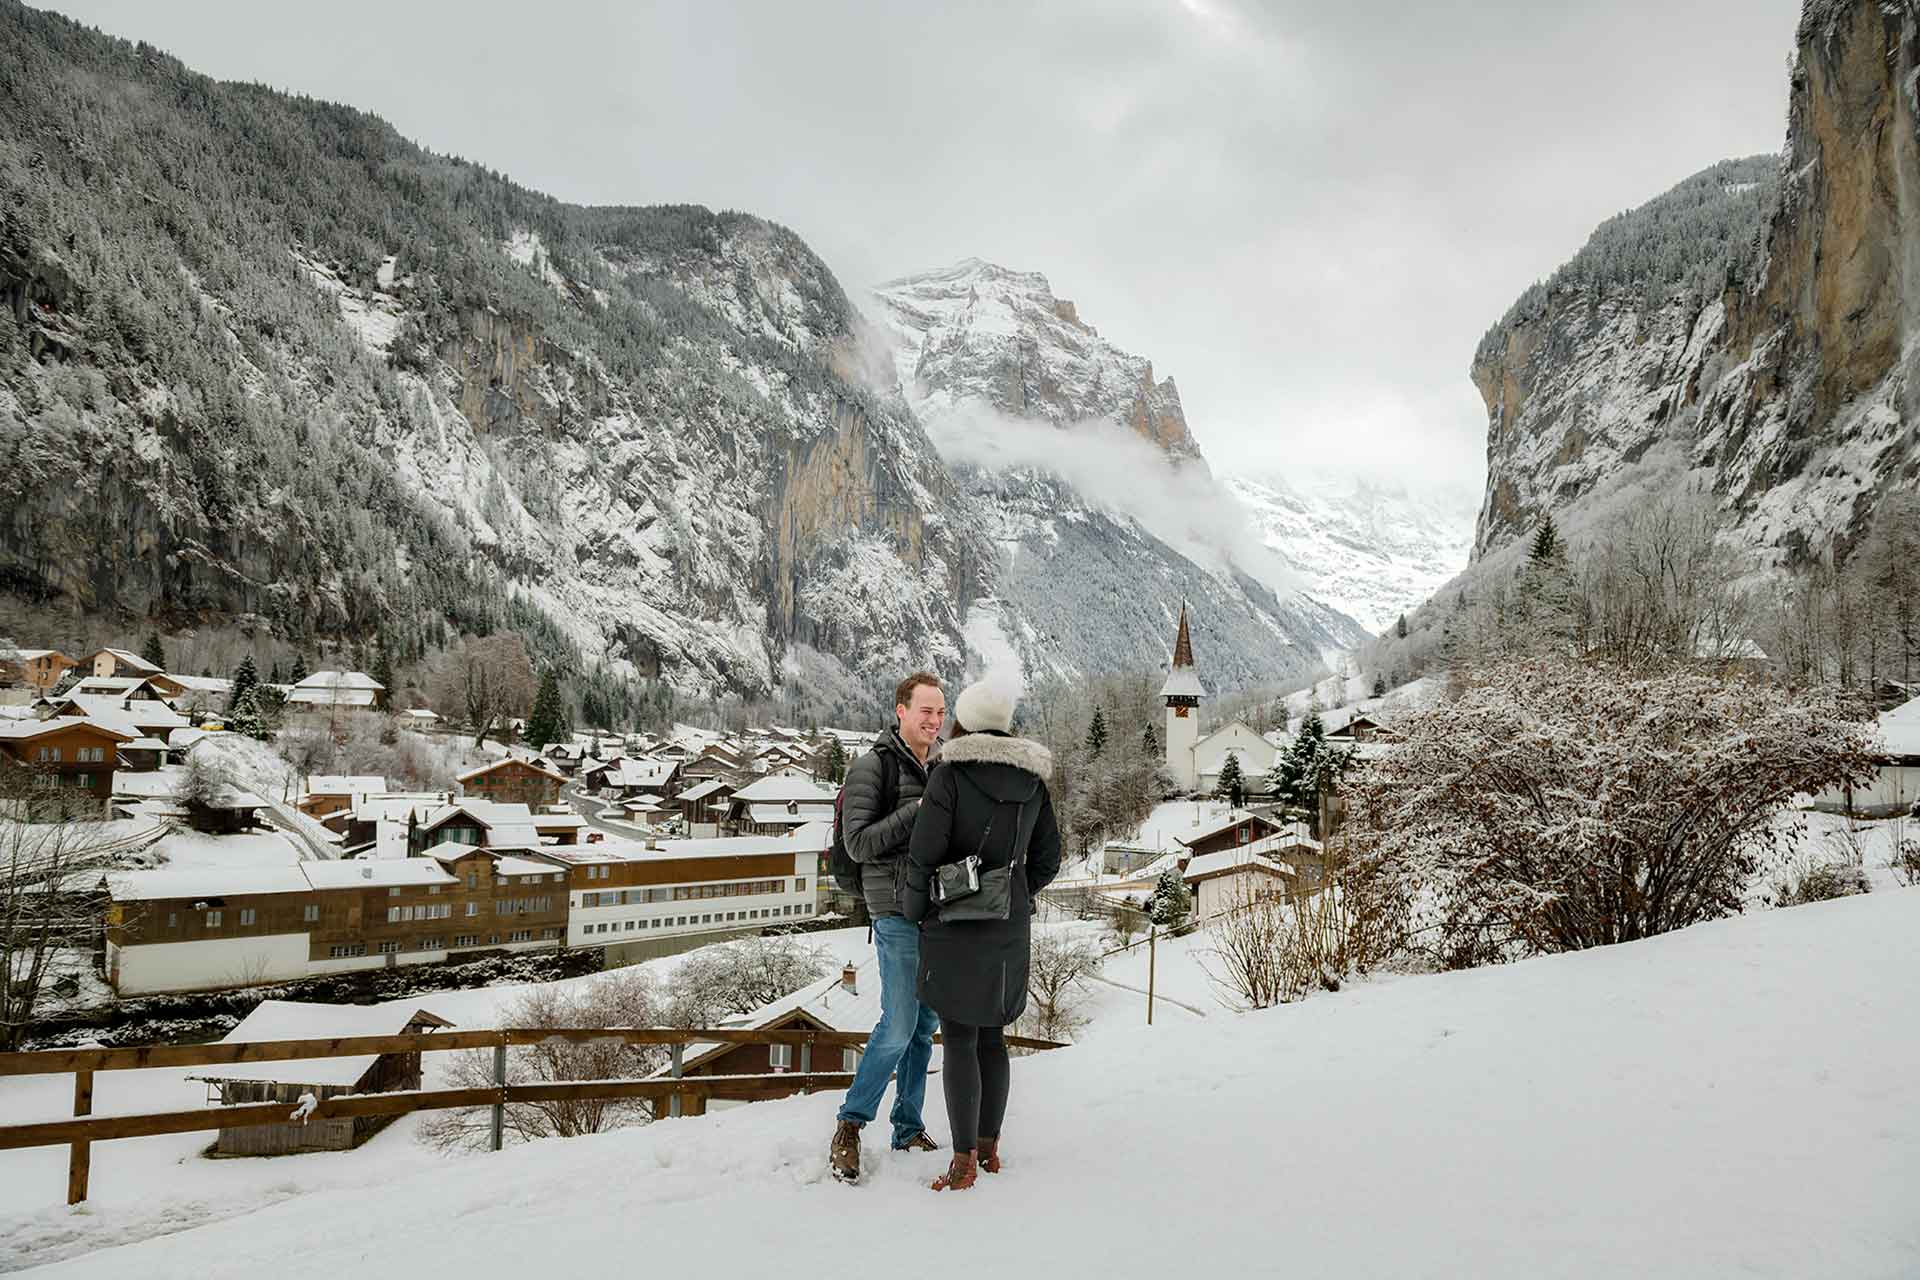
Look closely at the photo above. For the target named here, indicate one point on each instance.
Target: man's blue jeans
(902, 1041)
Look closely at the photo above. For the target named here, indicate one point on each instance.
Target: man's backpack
(846, 872)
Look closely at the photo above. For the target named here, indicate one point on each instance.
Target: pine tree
(1097, 733)
(299, 671)
(1546, 542)
(836, 762)
(153, 652)
(383, 673)
(276, 677)
(1230, 783)
(245, 677)
(548, 723)
(1400, 627)
(245, 715)
(1379, 684)
(1151, 741)
(1171, 902)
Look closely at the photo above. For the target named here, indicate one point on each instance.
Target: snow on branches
(1553, 806)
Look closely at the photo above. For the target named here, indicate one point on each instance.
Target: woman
(987, 797)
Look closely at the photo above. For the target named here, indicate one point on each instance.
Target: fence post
(80, 1157)
(673, 1103)
(500, 1082)
(1153, 940)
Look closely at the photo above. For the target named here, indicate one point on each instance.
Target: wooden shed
(322, 1077)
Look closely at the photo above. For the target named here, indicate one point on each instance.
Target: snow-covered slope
(1727, 1100)
(1088, 481)
(1371, 550)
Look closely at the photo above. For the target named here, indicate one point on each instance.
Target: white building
(1895, 788)
(1255, 753)
(336, 689)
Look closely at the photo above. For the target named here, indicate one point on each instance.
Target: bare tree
(1057, 977)
(53, 894)
(489, 680)
(623, 999)
(713, 983)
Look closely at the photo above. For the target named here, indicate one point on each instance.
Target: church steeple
(1183, 645)
(1182, 693)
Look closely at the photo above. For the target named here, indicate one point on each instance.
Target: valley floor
(1732, 1099)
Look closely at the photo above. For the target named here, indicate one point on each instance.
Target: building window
(849, 1059)
(346, 950)
(493, 939)
(520, 935)
(433, 888)
(213, 919)
(464, 939)
(473, 908)
(473, 879)
(246, 915)
(428, 944)
(310, 913)
(780, 1056)
(388, 948)
(393, 915)
(394, 892)
(630, 925)
(173, 919)
(82, 779)
(589, 899)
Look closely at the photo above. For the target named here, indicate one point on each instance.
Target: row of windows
(81, 755)
(425, 911)
(713, 917)
(309, 914)
(689, 892)
(349, 950)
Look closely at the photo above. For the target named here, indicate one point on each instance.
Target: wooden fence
(85, 1128)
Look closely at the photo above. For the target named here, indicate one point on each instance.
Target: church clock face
(1180, 713)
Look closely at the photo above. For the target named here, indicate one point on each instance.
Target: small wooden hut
(322, 1077)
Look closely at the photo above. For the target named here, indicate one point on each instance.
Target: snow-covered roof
(815, 837)
(1183, 682)
(627, 772)
(376, 873)
(332, 697)
(1294, 837)
(132, 660)
(538, 766)
(340, 680)
(203, 684)
(23, 730)
(144, 744)
(507, 823)
(1225, 861)
(704, 789)
(209, 882)
(779, 790)
(420, 713)
(1233, 818)
(1900, 729)
(115, 685)
(345, 784)
(826, 1001)
(135, 715)
(296, 1020)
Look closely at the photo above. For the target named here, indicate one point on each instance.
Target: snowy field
(1731, 1099)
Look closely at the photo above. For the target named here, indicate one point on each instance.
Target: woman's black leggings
(975, 1075)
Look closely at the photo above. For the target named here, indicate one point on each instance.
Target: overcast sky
(1306, 213)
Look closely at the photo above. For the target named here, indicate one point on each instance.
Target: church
(1194, 761)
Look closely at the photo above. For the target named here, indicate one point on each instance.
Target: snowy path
(1158, 996)
(1733, 1099)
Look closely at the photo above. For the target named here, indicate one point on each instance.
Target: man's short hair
(903, 693)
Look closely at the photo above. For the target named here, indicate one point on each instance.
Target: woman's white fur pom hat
(985, 706)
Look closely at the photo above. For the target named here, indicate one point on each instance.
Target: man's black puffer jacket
(876, 840)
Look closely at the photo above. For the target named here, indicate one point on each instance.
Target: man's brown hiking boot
(843, 1157)
(989, 1154)
(960, 1173)
(918, 1142)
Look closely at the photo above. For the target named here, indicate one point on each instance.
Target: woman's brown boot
(989, 1152)
(960, 1173)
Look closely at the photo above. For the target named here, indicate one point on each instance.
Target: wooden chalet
(1238, 827)
(69, 758)
(116, 662)
(514, 780)
(322, 1078)
(37, 669)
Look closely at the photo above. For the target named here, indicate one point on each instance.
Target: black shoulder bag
(965, 892)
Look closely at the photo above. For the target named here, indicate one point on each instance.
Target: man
(876, 824)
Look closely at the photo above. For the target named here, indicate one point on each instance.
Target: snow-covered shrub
(1554, 805)
(1820, 883)
(1171, 902)
(1906, 862)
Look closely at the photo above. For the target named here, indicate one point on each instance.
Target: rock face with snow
(1783, 377)
(1371, 550)
(1087, 480)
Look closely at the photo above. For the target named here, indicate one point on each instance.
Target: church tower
(1183, 692)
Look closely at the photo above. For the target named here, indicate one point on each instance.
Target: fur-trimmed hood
(987, 748)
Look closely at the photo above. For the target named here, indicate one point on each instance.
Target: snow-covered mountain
(1373, 550)
(1088, 480)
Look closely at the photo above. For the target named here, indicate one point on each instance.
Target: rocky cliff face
(1087, 482)
(1786, 382)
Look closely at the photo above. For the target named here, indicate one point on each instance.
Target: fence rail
(84, 1128)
